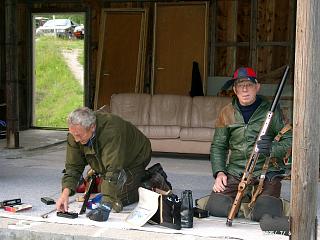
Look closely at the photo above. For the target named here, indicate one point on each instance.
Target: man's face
(80, 133)
(246, 91)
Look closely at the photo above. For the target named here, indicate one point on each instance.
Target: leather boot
(267, 205)
(157, 168)
(219, 205)
(156, 181)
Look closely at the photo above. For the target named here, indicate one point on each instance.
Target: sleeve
(219, 150)
(74, 165)
(279, 148)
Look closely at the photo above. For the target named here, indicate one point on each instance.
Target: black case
(47, 200)
(200, 213)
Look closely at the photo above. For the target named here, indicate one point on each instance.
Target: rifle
(251, 162)
(88, 192)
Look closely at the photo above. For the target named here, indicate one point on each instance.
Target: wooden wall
(257, 33)
(254, 33)
(2, 53)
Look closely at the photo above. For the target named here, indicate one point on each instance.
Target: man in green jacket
(237, 128)
(113, 148)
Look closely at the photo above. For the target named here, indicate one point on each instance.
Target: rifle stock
(251, 162)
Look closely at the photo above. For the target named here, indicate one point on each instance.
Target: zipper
(246, 140)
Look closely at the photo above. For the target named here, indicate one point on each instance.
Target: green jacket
(233, 134)
(117, 145)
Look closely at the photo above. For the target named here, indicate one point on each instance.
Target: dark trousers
(128, 193)
(271, 186)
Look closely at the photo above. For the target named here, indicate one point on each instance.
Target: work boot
(219, 204)
(157, 168)
(267, 205)
(157, 181)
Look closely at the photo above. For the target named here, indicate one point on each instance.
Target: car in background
(59, 27)
(79, 31)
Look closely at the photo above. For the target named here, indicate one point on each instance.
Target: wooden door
(121, 53)
(180, 37)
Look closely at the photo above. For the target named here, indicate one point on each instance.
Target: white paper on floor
(207, 227)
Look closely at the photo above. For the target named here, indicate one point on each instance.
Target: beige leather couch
(173, 123)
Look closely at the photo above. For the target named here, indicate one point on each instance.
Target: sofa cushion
(205, 110)
(133, 107)
(197, 134)
(161, 132)
(170, 110)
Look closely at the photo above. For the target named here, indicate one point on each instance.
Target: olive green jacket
(233, 134)
(117, 145)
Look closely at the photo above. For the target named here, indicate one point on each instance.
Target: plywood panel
(180, 38)
(226, 21)
(283, 20)
(224, 61)
(266, 20)
(120, 53)
(243, 20)
(271, 58)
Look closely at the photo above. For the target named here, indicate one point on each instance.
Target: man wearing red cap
(237, 128)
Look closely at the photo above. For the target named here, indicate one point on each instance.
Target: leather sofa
(173, 123)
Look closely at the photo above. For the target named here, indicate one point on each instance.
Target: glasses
(242, 86)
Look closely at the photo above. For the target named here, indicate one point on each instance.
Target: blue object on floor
(94, 202)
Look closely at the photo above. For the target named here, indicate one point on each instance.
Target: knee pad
(276, 225)
(219, 205)
(267, 205)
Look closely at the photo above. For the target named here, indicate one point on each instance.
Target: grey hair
(83, 116)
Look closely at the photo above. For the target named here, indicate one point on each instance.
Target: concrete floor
(34, 171)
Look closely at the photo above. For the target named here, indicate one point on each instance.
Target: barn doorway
(58, 67)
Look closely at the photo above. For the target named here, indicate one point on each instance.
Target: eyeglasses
(242, 86)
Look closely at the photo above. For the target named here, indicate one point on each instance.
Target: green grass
(57, 91)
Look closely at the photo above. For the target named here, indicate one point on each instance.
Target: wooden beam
(306, 123)
(253, 35)
(12, 74)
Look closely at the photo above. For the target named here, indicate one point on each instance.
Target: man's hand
(220, 182)
(63, 201)
(264, 145)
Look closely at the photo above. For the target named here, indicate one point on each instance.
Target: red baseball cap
(241, 73)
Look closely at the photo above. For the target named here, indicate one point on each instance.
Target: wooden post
(12, 74)
(306, 122)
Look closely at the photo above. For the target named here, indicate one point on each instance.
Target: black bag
(168, 213)
(186, 211)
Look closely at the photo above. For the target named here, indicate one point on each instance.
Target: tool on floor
(10, 202)
(17, 208)
(46, 215)
(47, 200)
(67, 214)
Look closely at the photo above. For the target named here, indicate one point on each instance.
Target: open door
(121, 53)
(180, 38)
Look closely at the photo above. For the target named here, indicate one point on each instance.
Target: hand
(220, 182)
(264, 145)
(63, 201)
(101, 213)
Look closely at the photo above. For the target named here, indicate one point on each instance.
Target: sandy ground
(71, 58)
